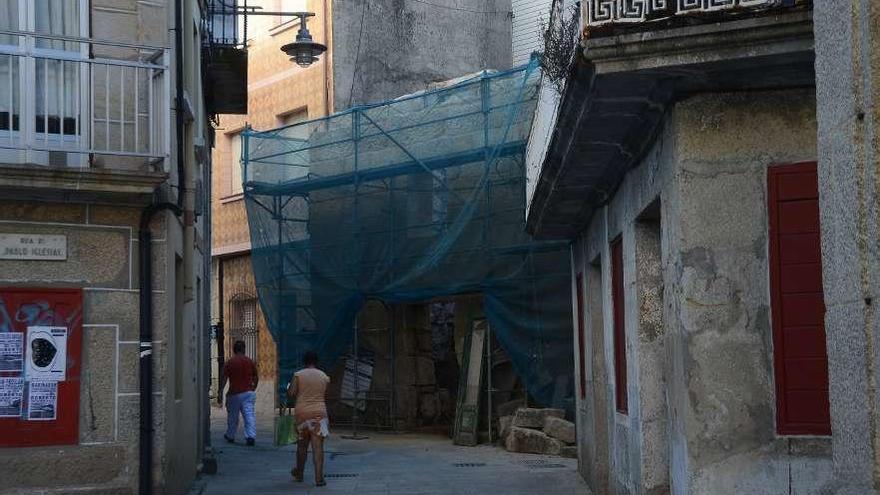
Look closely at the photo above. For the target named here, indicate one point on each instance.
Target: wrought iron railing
(64, 98)
(225, 24)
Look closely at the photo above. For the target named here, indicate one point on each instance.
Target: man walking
(241, 373)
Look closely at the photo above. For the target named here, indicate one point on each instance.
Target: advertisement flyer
(42, 400)
(11, 351)
(11, 393)
(46, 353)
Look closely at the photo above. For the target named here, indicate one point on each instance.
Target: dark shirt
(241, 373)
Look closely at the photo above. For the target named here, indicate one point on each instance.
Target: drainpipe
(145, 245)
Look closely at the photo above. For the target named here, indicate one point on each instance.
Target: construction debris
(538, 431)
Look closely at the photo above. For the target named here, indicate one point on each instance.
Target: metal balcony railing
(64, 99)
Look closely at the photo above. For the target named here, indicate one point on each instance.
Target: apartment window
(582, 367)
(244, 322)
(797, 301)
(55, 103)
(294, 117)
(235, 162)
(618, 305)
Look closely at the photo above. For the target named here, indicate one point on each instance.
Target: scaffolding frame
(367, 152)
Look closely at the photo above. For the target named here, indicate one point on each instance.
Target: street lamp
(304, 51)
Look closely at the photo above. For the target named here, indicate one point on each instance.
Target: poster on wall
(11, 394)
(11, 351)
(46, 353)
(42, 400)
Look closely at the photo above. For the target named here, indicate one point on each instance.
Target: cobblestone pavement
(387, 464)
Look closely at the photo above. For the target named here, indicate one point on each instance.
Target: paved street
(388, 464)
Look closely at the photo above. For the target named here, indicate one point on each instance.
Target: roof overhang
(619, 92)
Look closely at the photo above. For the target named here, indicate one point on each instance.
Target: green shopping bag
(285, 428)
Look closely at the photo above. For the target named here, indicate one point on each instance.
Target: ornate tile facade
(601, 12)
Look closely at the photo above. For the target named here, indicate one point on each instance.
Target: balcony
(76, 110)
(224, 56)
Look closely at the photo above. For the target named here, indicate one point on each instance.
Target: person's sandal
(321, 483)
(298, 477)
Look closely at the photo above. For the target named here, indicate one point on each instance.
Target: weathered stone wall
(696, 277)
(847, 66)
(103, 259)
(384, 49)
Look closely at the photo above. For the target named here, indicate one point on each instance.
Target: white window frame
(27, 52)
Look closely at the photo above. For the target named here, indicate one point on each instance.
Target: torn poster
(42, 400)
(11, 392)
(46, 353)
(11, 351)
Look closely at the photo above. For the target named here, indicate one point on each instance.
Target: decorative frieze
(601, 12)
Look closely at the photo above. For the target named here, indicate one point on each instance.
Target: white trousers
(243, 404)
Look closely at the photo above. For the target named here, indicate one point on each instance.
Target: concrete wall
(696, 277)
(387, 48)
(847, 63)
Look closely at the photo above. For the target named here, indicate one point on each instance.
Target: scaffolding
(404, 201)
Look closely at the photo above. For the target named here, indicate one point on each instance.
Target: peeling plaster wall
(701, 386)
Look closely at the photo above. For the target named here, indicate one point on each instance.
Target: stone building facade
(714, 171)
(89, 143)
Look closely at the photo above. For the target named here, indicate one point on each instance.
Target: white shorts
(316, 427)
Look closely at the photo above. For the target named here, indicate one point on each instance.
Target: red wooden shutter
(579, 291)
(797, 302)
(617, 297)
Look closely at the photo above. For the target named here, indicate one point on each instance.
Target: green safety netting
(404, 201)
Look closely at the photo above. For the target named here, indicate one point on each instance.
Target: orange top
(309, 386)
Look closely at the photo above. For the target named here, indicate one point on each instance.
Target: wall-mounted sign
(33, 247)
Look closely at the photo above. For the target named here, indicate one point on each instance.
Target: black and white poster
(42, 400)
(46, 353)
(11, 351)
(11, 394)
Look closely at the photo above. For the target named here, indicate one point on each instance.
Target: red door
(797, 302)
(23, 308)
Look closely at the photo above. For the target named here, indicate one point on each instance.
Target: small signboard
(33, 247)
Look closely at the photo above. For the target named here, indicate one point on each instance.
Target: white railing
(65, 98)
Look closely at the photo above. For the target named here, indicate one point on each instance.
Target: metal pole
(355, 417)
(489, 377)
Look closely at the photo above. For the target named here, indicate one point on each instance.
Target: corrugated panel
(526, 27)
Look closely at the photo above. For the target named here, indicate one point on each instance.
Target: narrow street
(387, 464)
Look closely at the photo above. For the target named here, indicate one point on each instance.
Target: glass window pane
(59, 17)
(9, 92)
(55, 95)
(9, 21)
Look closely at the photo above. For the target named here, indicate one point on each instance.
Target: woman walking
(309, 386)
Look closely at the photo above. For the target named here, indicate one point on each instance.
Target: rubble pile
(538, 431)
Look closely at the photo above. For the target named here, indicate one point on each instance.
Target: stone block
(32, 469)
(42, 212)
(429, 406)
(96, 257)
(97, 419)
(504, 424)
(527, 417)
(509, 408)
(425, 371)
(530, 441)
(559, 429)
(570, 451)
